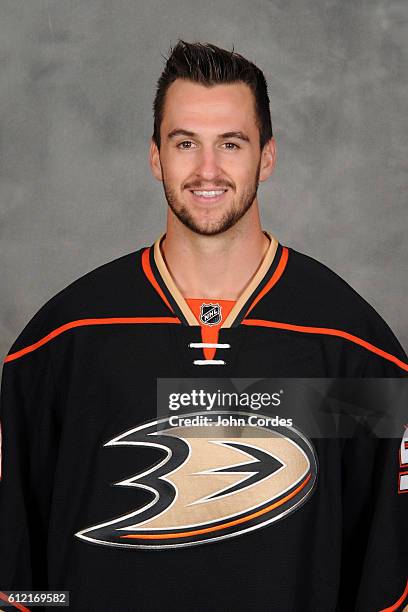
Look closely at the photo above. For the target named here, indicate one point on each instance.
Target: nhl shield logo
(210, 314)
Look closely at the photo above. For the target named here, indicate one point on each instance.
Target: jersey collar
(159, 275)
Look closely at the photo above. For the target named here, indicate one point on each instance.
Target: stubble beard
(236, 211)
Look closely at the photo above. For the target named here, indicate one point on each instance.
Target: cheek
(241, 177)
(241, 170)
(177, 171)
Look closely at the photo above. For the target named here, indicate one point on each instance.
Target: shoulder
(105, 291)
(326, 296)
(311, 295)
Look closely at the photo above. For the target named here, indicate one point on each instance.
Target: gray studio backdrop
(77, 80)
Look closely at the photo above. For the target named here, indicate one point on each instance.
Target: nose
(208, 164)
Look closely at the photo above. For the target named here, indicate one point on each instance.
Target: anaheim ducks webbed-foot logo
(211, 487)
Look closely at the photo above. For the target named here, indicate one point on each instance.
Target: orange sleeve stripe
(84, 322)
(18, 606)
(239, 521)
(148, 271)
(274, 278)
(398, 603)
(327, 331)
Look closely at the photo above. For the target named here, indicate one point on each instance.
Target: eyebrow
(181, 132)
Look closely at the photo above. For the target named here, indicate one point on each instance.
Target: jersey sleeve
(375, 541)
(374, 575)
(29, 431)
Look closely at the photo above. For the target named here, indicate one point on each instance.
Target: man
(103, 496)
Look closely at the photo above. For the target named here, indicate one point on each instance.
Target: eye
(185, 142)
(232, 146)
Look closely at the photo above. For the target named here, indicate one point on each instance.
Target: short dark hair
(209, 65)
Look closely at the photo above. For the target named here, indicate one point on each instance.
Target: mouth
(208, 195)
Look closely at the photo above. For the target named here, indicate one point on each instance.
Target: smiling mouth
(208, 195)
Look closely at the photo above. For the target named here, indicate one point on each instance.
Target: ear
(154, 159)
(268, 159)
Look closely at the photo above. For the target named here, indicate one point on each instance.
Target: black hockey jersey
(98, 500)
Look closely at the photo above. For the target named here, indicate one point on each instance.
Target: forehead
(220, 107)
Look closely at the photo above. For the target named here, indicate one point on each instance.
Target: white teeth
(209, 194)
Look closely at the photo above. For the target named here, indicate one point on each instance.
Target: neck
(215, 267)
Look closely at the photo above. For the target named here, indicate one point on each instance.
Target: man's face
(210, 160)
